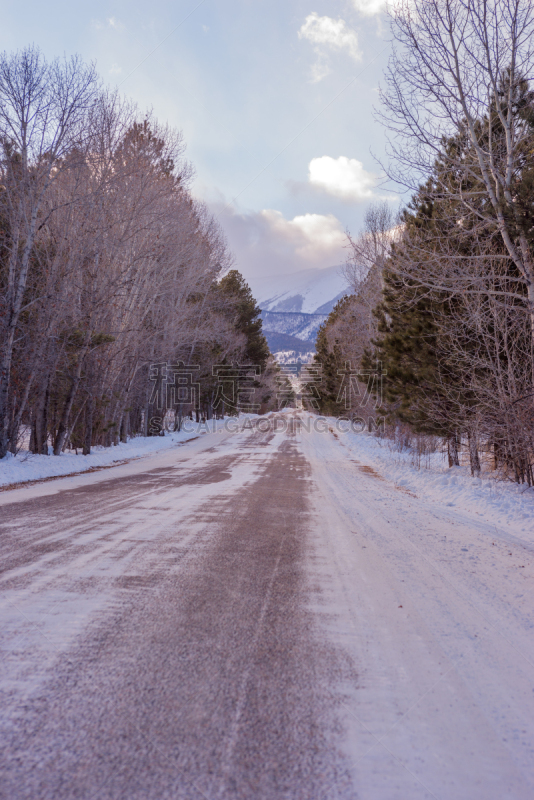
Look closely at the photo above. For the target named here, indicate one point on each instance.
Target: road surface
(258, 615)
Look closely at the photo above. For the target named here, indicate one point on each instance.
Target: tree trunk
(88, 430)
(74, 423)
(530, 291)
(63, 428)
(125, 427)
(39, 433)
(453, 450)
(474, 459)
(4, 397)
(145, 420)
(15, 425)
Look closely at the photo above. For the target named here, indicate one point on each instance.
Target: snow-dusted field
(304, 611)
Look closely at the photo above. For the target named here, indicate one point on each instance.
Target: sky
(274, 97)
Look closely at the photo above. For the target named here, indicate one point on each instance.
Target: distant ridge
(310, 291)
(303, 326)
(295, 306)
(329, 306)
(283, 342)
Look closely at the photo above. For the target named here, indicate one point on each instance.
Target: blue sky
(274, 99)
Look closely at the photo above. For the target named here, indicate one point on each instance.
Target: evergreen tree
(242, 309)
(328, 354)
(433, 381)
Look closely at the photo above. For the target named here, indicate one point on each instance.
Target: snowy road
(260, 615)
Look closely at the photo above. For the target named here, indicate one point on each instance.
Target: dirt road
(252, 616)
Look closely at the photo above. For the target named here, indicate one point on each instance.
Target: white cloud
(320, 70)
(111, 22)
(311, 235)
(333, 33)
(370, 7)
(342, 177)
(267, 243)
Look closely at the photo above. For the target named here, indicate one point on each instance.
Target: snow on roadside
(495, 501)
(27, 466)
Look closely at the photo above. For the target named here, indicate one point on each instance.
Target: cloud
(370, 7)
(267, 243)
(332, 33)
(111, 22)
(320, 70)
(342, 177)
(311, 235)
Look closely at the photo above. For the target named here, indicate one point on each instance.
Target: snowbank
(493, 500)
(26, 466)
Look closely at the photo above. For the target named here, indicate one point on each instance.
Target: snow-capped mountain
(310, 291)
(295, 306)
(304, 326)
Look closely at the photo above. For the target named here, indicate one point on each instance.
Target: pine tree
(242, 309)
(433, 380)
(329, 356)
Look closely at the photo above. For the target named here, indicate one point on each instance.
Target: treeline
(442, 303)
(107, 264)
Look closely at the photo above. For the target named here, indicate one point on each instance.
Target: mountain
(284, 343)
(304, 326)
(310, 291)
(295, 306)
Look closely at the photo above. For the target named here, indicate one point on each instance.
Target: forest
(115, 280)
(108, 266)
(437, 334)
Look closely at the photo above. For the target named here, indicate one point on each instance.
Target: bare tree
(107, 263)
(43, 109)
(460, 68)
(486, 341)
(370, 249)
